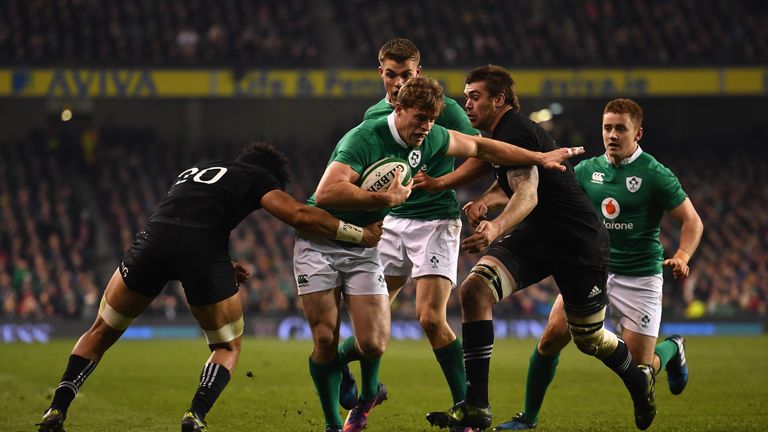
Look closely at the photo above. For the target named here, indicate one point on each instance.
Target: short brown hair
(399, 50)
(498, 81)
(626, 106)
(423, 93)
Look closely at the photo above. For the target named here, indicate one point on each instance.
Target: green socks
(541, 371)
(451, 359)
(369, 369)
(665, 350)
(327, 379)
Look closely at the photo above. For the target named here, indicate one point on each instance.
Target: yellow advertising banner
(354, 83)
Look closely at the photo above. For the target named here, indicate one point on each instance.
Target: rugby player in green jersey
(631, 191)
(423, 234)
(326, 269)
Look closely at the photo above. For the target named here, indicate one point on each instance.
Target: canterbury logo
(598, 177)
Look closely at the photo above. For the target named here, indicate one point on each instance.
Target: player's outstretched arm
(471, 170)
(337, 190)
(524, 181)
(317, 222)
(502, 153)
(690, 235)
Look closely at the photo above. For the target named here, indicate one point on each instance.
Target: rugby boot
(645, 403)
(677, 367)
(348, 390)
(192, 423)
(518, 422)
(53, 421)
(357, 419)
(461, 415)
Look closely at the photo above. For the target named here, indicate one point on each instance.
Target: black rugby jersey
(217, 194)
(563, 214)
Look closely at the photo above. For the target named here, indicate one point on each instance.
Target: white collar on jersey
(386, 98)
(628, 160)
(393, 130)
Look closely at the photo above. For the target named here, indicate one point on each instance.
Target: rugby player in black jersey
(186, 238)
(547, 226)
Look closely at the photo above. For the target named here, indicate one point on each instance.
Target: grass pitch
(147, 385)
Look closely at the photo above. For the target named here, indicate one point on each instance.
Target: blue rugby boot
(348, 389)
(677, 367)
(518, 422)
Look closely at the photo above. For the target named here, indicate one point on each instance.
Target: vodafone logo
(611, 208)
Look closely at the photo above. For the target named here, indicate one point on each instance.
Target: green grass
(147, 385)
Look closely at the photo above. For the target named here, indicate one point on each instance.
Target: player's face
(395, 74)
(480, 106)
(413, 124)
(620, 135)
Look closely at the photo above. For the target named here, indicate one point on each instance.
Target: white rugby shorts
(635, 302)
(320, 265)
(420, 248)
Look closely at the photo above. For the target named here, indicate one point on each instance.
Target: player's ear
(418, 70)
(639, 134)
(499, 100)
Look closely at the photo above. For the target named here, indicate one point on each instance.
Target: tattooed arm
(524, 182)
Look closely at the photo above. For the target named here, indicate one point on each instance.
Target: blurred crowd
(55, 205)
(158, 32)
(344, 33)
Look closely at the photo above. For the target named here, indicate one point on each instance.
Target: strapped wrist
(347, 232)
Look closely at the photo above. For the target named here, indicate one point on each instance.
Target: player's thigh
(370, 315)
(510, 264)
(124, 300)
(220, 314)
(432, 294)
(635, 303)
(321, 308)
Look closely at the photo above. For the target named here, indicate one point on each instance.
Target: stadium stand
(450, 33)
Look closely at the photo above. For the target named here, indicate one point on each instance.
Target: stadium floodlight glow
(556, 108)
(66, 114)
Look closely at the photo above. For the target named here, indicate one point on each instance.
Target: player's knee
(112, 317)
(475, 295)
(372, 347)
(553, 342)
(324, 338)
(431, 322)
(599, 343)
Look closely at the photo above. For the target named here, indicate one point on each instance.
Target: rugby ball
(379, 175)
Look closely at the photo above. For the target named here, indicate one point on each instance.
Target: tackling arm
(337, 190)
(316, 221)
(502, 153)
(524, 182)
(690, 235)
(469, 171)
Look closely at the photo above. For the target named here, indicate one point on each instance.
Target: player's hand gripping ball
(379, 176)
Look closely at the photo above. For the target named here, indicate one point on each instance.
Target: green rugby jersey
(373, 140)
(631, 199)
(422, 204)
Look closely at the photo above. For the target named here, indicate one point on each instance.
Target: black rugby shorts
(580, 270)
(197, 257)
